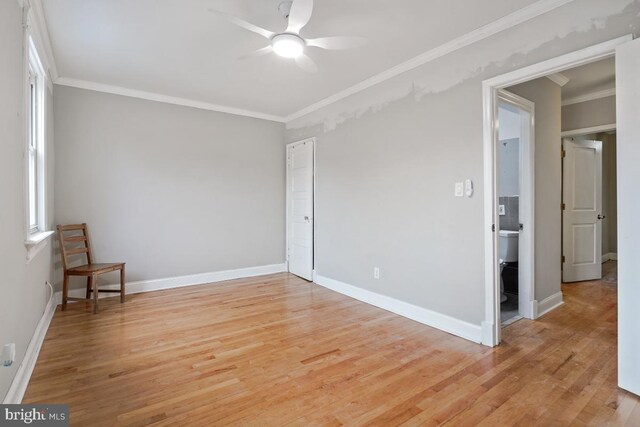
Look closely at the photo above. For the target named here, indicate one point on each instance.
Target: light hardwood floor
(276, 350)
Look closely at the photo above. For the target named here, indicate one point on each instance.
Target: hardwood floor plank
(277, 350)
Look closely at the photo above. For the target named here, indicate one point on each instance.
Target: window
(35, 152)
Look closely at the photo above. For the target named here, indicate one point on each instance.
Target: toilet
(508, 252)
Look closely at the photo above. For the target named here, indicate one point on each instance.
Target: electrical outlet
(376, 273)
(501, 210)
(8, 354)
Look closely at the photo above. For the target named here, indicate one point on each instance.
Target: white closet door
(582, 214)
(300, 208)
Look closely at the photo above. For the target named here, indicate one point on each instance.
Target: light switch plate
(468, 188)
(459, 191)
(501, 210)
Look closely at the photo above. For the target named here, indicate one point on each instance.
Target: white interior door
(582, 214)
(628, 154)
(300, 172)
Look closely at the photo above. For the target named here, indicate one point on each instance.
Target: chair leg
(65, 291)
(122, 285)
(89, 285)
(94, 281)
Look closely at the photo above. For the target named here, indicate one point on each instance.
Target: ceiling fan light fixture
(288, 45)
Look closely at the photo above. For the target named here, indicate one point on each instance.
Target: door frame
(312, 140)
(526, 239)
(491, 325)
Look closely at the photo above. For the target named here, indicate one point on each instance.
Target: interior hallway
(275, 350)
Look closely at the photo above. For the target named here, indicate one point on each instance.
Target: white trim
(560, 63)
(23, 375)
(36, 242)
(590, 97)
(587, 131)
(559, 79)
(182, 281)
(287, 200)
(548, 304)
(509, 21)
(611, 256)
(491, 324)
(526, 240)
(427, 317)
(43, 40)
(167, 99)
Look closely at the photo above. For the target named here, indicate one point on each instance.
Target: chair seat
(88, 269)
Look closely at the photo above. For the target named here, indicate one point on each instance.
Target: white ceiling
(177, 48)
(590, 78)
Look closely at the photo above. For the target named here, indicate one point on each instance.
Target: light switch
(501, 210)
(468, 188)
(459, 192)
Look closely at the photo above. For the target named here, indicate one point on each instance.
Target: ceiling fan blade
(299, 15)
(306, 63)
(256, 53)
(336, 43)
(244, 24)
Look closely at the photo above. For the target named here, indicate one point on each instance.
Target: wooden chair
(68, 247)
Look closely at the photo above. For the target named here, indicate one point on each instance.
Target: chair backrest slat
(66, 240)
(75, 239)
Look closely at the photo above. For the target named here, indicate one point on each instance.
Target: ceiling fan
(290, 44)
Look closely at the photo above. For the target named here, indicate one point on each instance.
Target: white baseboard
(546, 305)
(23, 375)
(419, 314)
(181, 281)
(611, 256)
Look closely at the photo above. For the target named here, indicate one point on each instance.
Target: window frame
(35, 146)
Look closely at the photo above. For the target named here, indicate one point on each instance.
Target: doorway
(300, 208)
(515, 166)
(491, 326)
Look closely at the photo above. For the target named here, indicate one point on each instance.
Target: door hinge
(493, 228)
(563, 259)
(563, 206)
(563, 153)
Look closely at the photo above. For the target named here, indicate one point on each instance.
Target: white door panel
(300, 164)
(628, 158)
(582, 220)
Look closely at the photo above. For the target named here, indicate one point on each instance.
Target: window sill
(36, 242)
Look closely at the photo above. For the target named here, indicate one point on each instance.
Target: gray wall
(23, 293)
(170, 190)
(388, 158)
(546, 95)
(588, 114)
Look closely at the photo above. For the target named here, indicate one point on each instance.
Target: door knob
(601, 217)
(306, 218)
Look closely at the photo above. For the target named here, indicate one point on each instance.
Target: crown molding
(513, 19)
(590, 97)
(151, 96)
(559, 79)
(40, 34)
